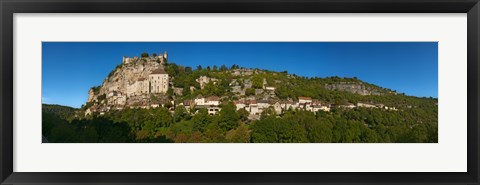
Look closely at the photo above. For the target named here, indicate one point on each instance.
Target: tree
(214, 134)
(199, 67)
(144, 55)
(180, 114)
(243, 114)
(170, 92)
(228, 117)
(223, 67)
(257, 82)
(181, 131)
(188, 70)
(249, 92)
(201, 120)
(239, 135)
(270, 111)
(154, 54)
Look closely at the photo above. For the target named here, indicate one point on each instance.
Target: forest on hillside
(358, 125)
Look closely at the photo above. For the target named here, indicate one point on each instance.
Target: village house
(366, 105)
(263, 104)
(268, 88)
(254, 108)
(303, 100)
(213, 100)
(212, 110)
(317, 108)
(199, 100)
(277, 107)
(348, 106)
(158, 81)
(187, 104)
(239, 104)
(287, 105)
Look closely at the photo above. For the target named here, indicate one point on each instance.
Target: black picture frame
(9, 7)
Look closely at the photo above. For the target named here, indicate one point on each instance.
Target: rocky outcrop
(116, 89)
(353, 87)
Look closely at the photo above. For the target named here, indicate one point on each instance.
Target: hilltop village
(151, 99)
(143, 82)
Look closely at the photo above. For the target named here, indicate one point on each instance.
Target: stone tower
(165, 55)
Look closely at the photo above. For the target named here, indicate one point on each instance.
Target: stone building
(158, 81)
(143, 86)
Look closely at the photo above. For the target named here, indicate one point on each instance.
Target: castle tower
(165, 55)
(126, 60)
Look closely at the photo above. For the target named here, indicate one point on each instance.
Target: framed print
(162, 92)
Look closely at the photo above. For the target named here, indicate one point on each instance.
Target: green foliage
(96, 89)
(223, 67)
(180, 114)
(243, 115)
(257, 82)
(228, 118)
(188, 70)
(64, 112)
(249, 91)
(239, 135)
(277, 130)
(234, 66)
(144, 55)
(201, 120)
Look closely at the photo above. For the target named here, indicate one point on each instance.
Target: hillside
(133, 84)
(151, 99)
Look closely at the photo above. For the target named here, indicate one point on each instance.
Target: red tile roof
(304, 98)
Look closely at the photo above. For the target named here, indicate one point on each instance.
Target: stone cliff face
(125, 77)
(352, 87)
(128, 74)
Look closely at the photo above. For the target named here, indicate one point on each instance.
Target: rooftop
(304, 98)
(159, 71)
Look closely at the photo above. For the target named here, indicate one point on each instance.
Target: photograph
(239, 92)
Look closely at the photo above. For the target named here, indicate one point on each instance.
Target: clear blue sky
(69, 69)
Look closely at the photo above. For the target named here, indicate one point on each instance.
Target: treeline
(359, 125)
